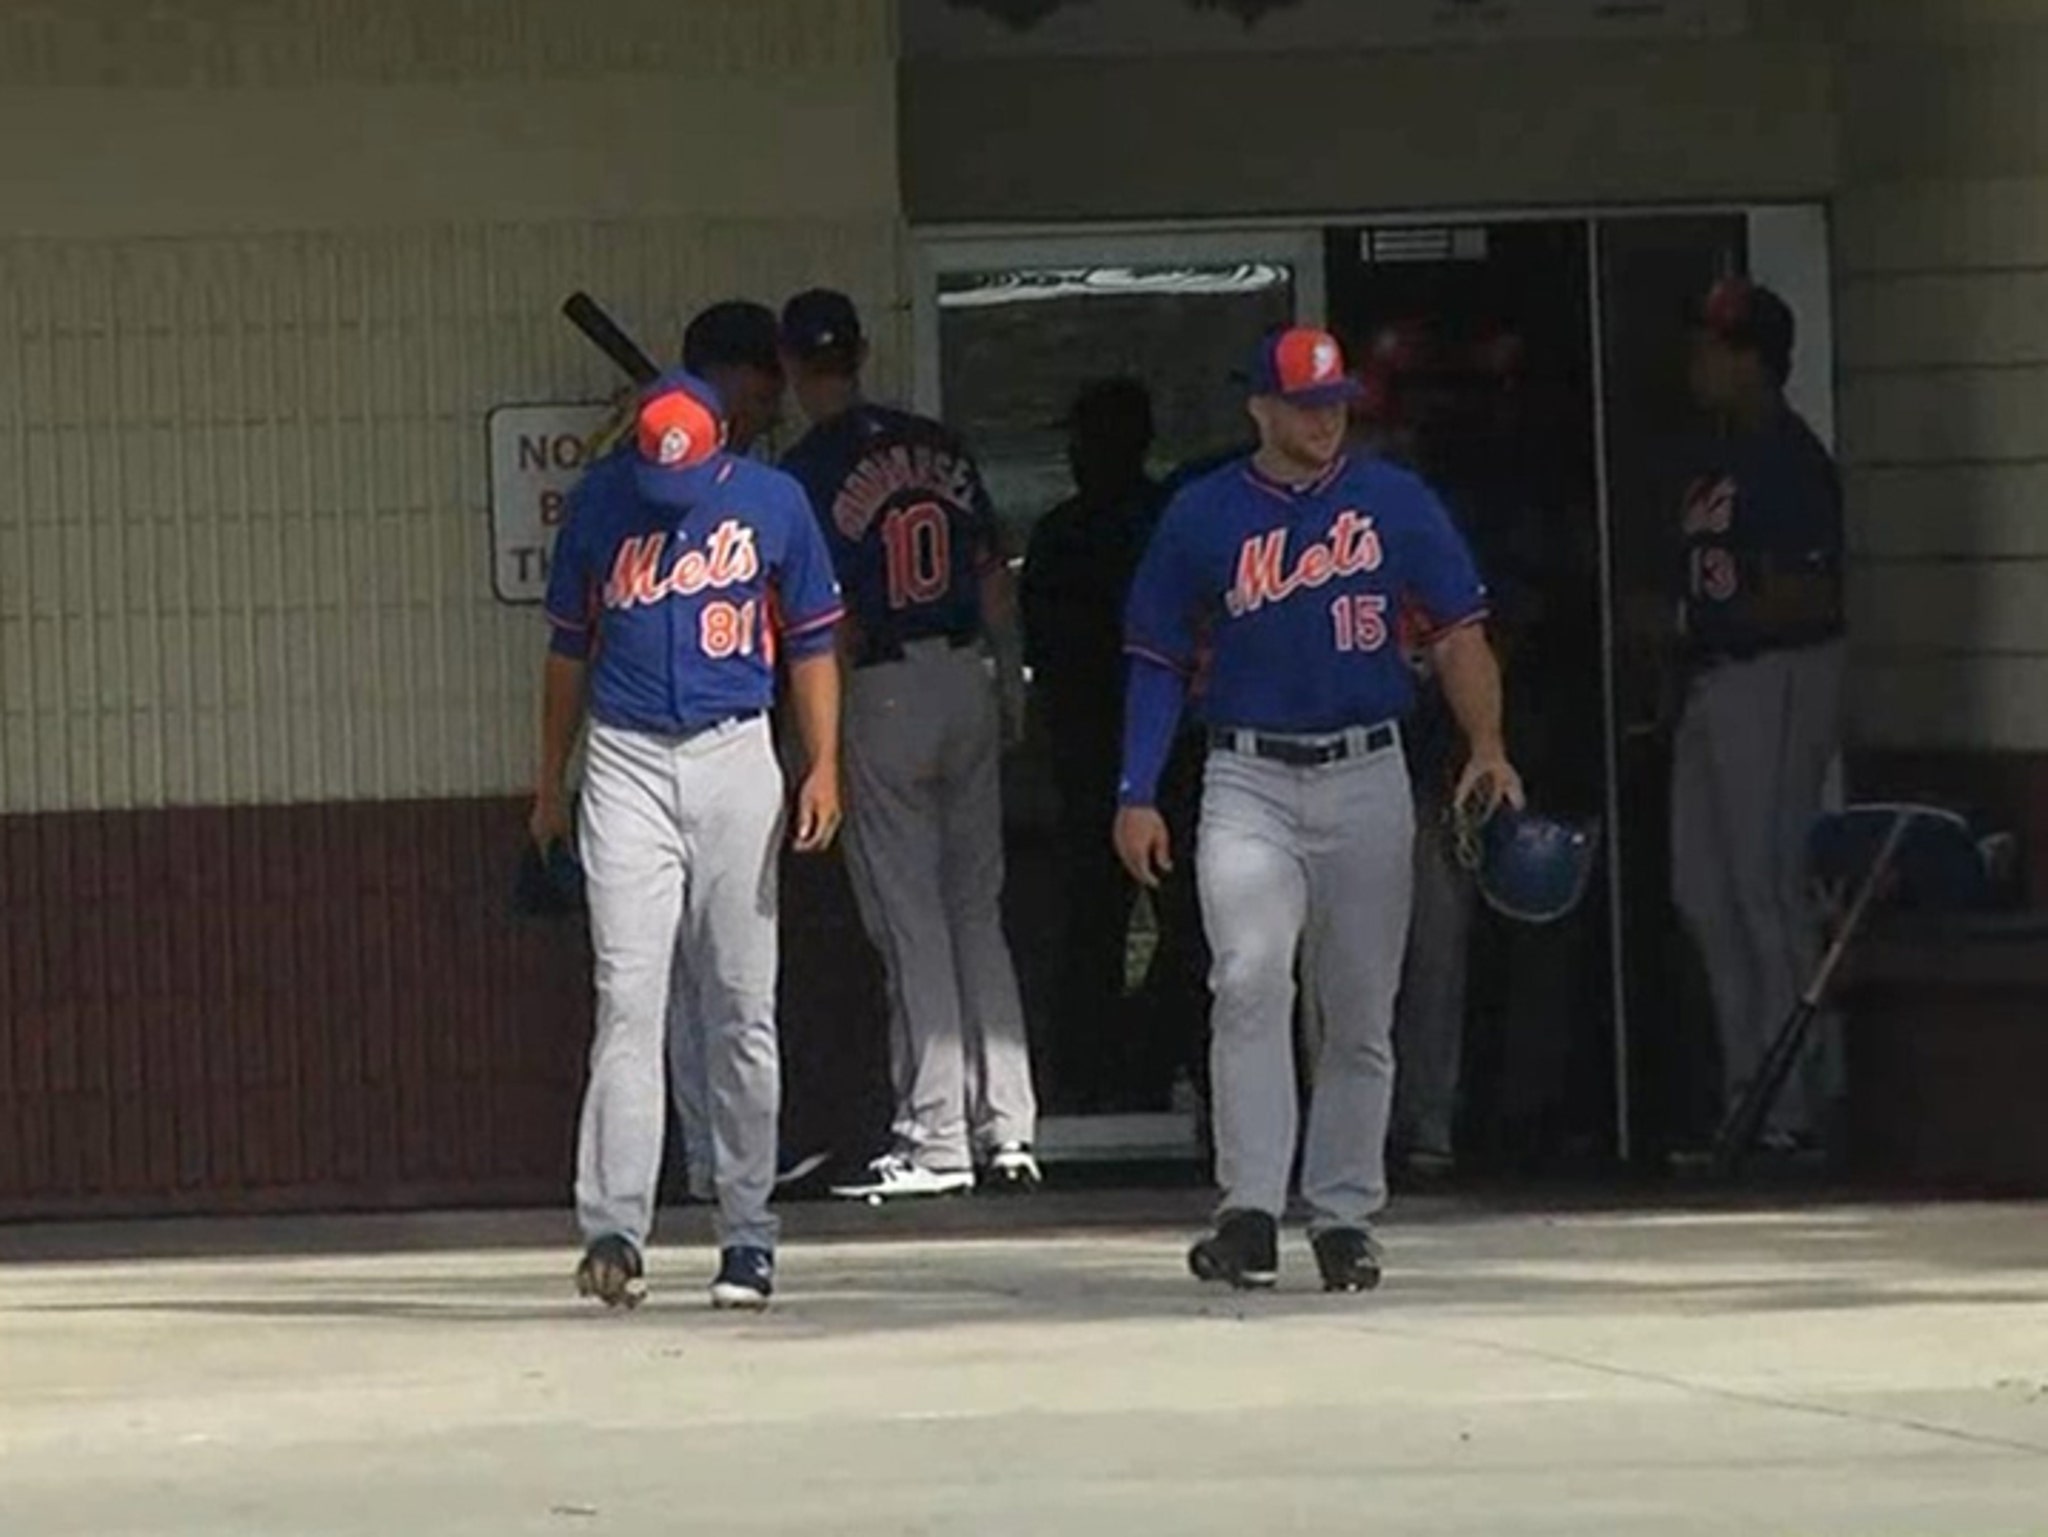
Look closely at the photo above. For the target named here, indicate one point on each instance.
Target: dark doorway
(1652, 269)
(1480, 343)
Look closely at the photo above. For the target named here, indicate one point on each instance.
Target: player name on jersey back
(907, 519)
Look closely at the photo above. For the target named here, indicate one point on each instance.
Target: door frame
(1790, 248)
(937, 252)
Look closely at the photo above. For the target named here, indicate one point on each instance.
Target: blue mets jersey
(682, 609)
(907, 520)
(1295, 600)
(1761, 502)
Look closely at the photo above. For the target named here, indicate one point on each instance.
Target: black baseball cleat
(1349, 1259)
(1012, 1169)
(1244, 1252)
(613, 1273)
(746, 1279)
(792, 1170)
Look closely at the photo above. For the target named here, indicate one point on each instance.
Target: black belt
(1303, 752)
(737, 718)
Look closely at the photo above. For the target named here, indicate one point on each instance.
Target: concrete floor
(1845, 1370)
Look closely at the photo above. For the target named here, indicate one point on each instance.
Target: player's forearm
(1153, 697)
(561, 716)
(814, 691)
(998, 598)
(999, 622)
(1470, 675)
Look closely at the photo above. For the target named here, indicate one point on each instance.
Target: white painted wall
(263, 270)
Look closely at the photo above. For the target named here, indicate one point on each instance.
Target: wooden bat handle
(589, 317)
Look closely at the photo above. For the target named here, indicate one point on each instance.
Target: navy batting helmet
(548, 882)
(1530, 867)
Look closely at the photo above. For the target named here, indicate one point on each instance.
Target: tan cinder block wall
(1942, 266)
(1211, 135)
(264, 267)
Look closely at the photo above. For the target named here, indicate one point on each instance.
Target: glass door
(1542, 381)
(1009, 332)
(1480, 333)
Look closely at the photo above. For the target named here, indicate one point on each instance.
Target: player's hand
(1143, 845)
(817, 811)
(1488, 783)
(549, 822)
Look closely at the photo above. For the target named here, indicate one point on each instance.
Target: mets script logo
(727, 559)
(1265, 576)
(1709, 505)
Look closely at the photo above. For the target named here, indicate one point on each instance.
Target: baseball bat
(1738, 1129)
(589, 317)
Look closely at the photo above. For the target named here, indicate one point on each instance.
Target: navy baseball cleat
(746, 1279)
(1349, 1259)
(1244, 1251)
(792, 1170)
(613, 1273)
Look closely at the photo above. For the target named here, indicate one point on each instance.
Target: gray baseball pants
(924, 842)
(1307, 868)
(689, 1081)
(1749, 775)
(679, 841)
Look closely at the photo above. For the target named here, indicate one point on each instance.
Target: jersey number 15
(919, 543)
(1361, 622)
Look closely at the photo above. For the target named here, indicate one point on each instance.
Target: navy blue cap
(820, 320)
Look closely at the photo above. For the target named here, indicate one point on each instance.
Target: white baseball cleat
(894, 1177)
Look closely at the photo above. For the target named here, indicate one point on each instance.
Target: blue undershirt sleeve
(1153, 697)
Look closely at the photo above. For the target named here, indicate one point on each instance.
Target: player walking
(914, 540)
(680, 571)
(1293, 568)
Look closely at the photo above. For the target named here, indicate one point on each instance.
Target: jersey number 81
(727, 629)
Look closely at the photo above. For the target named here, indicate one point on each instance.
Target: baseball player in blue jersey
(914, 540)
(1287, 575)
(680, 573)
(1761, 624)
(734, 347)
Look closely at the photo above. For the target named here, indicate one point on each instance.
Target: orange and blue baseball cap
(1303, 365)
(678, 438)
(1751, 318)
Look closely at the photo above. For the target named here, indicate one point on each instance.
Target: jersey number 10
(919, 543)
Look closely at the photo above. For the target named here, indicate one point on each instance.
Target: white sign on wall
(537, 453)
(970, 28)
